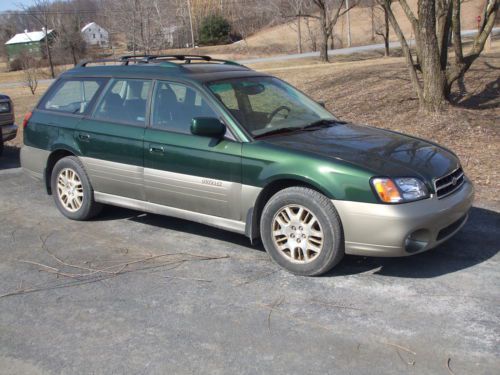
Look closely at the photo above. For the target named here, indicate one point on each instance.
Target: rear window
(72, 95)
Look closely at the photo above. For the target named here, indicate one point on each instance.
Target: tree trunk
(299, 34)
(49, 54)
(434, 82)
(323, 50)
(73, 55)
(386, 33)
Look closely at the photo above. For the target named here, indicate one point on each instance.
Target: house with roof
(32, 43)
(95, 35)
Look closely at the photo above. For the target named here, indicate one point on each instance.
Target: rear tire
(302, 231)
(72, 191)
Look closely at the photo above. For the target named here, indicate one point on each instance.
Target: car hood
(383, 152)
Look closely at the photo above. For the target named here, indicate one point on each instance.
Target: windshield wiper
(323, 123)
(278, 131)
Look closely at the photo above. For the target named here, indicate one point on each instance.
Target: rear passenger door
(185, 171)
(111, 140)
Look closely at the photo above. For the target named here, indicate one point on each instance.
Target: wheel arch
(56, 155)
(252, 229)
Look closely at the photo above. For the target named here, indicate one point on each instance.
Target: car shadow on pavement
(10, 158)
(476, 242)
(180, 225)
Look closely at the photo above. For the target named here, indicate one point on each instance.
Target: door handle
(156, 150)
(84, 137)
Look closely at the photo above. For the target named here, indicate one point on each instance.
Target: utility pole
(348, 24)
(190, 22)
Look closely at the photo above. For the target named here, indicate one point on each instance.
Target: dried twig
(187, 278)
(411, 363)
(335, 305)
(273, 306)
(400, 347)
(291, 317)
(448, 366)
(260, 277)
(96, 274)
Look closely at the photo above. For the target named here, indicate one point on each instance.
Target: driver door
(185, 171)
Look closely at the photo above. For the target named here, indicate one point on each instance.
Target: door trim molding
(214, 221)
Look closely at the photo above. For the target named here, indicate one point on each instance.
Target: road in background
(332, 52)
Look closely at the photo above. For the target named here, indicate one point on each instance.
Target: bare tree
(292, 9)
(31, 71)
(329, 13)
(432, 26)
(40, 10)
(311, 34)
(381, 24)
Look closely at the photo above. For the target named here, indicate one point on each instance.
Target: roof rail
(120, 60)
(145, 59)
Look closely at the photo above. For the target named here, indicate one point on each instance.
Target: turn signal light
(26, 119)
(387, 190)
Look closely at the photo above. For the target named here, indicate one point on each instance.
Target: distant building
(95, 35)
(32, 42)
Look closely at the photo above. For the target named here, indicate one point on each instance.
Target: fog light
(417, 241)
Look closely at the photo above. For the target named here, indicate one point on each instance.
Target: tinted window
(72, 95)
(124, 101)
(175, 105)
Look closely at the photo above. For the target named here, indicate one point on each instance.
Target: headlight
(398, 190)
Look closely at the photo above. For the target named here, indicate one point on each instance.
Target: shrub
(214, 29)
(15, 64)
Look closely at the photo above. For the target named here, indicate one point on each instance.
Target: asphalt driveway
(134, 293)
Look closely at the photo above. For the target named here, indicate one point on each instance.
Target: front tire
(302, 231)
(72, 191)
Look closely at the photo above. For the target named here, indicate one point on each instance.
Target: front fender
(264, 164)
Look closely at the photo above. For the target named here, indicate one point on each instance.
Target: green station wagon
(215, 142)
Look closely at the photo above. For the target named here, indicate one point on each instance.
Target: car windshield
(267, 105)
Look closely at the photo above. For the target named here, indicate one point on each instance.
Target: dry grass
(18, 76)
(378, 92)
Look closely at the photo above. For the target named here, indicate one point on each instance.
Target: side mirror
(322, 104)
(208, 127)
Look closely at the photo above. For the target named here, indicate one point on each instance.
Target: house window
(93, 36)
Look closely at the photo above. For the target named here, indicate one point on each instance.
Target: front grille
(445, 232)
(450, 183)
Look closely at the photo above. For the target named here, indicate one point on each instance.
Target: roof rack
(145, 59)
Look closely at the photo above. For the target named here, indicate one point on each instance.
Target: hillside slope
(283, 38)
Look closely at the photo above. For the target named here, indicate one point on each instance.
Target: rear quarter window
(72, 95)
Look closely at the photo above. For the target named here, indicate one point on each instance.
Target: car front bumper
(372, 229)
(9, 132)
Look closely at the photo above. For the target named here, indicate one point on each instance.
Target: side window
(175, 105)
(72, 95)
(124, 101)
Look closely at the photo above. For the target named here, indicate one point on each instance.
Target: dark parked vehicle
(8, 130)
(215, 142)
